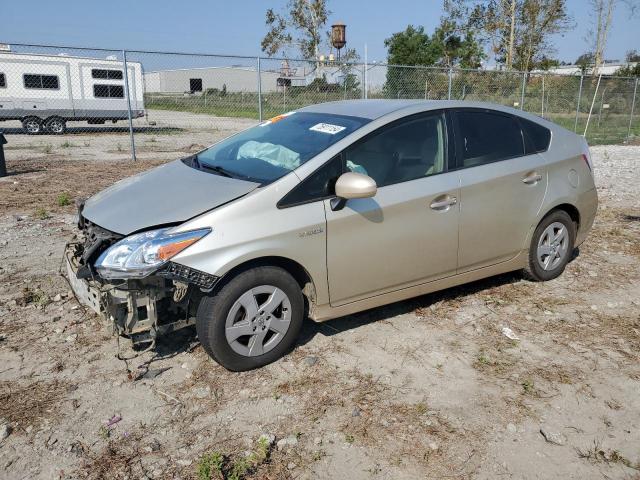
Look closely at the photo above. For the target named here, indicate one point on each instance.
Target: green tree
(302, 25)
(547, 63)
(411, 47)
(449, 46)
(632, 56)
(351, 83)
(519, 32)
(446, 47)
(538, 21)
(456, 46)
(629, 71)
(585, 62)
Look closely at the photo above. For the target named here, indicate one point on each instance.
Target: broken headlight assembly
(139, 255)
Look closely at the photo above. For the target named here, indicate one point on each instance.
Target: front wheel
(551, 246)
(253, 320)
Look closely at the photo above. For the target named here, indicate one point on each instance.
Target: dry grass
(618, 229)
(121, 458)
(25, 405)
(41, 181)
(596, 453)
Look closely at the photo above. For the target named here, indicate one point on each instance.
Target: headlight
(141, 254)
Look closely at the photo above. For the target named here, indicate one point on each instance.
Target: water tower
(338, 36)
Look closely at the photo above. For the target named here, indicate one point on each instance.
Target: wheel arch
(569, 209)
(31, 115)
(295, 269)
(51, 117)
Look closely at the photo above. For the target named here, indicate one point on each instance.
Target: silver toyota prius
(326, 211)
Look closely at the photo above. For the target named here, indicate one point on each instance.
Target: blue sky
(236, 27)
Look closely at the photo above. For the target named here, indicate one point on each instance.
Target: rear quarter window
(537, 137)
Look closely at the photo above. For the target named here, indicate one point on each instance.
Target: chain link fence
(51, 90)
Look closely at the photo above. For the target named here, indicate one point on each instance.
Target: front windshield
(272, 149)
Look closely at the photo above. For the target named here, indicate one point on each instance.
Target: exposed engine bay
(140, 309)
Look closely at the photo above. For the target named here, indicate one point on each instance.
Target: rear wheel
(551, 246)
(253, 320)
(32, 125)
(55, 125)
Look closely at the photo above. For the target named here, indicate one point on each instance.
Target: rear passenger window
(3, 80)
(537, 137)
(487, 137)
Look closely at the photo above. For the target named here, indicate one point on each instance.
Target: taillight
(586, 160)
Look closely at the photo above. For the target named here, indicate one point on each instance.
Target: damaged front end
(143, 307)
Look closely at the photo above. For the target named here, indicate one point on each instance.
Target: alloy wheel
(553, 246)
(258, 320)
(56, 126)
(32, 126)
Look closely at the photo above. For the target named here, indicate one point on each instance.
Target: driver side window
(317, 186)
(406, 150)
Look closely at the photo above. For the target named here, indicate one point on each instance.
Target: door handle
(443, 202)
(532, 178)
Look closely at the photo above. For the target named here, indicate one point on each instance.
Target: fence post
(366, 73)
(259, 92)
(450, 82)
(633, 106)
(524, 86)
(575, 126)
(542, 106)
(126, 88)
(364, 81)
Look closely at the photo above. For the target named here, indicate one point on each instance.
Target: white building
(605, 69)
(234, 79)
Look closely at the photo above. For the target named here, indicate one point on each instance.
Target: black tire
(534, 270)
(213, 311)
(32, 125)
(55, 125)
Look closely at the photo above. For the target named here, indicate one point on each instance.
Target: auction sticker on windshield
(327, 128)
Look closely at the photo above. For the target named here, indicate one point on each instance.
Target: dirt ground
(427, 388)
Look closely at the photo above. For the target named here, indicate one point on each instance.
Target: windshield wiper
(217, 169)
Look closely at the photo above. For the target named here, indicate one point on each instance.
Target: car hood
(171, 193)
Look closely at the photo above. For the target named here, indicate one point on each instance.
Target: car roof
(376, 108)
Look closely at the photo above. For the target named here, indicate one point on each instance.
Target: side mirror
(353, 185)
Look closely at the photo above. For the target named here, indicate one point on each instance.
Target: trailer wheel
(55, 125)
(32, 125)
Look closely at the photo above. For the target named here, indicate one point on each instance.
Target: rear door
(502, 187)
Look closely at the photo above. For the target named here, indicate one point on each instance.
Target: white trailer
(46, 91)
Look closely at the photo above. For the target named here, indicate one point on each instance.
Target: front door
(408, 232)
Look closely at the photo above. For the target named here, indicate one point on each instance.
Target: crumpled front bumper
(139, 309)
(87, 293)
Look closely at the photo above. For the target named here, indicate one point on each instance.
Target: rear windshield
(272, 149)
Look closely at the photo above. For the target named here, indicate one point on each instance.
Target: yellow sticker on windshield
(277, 118)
